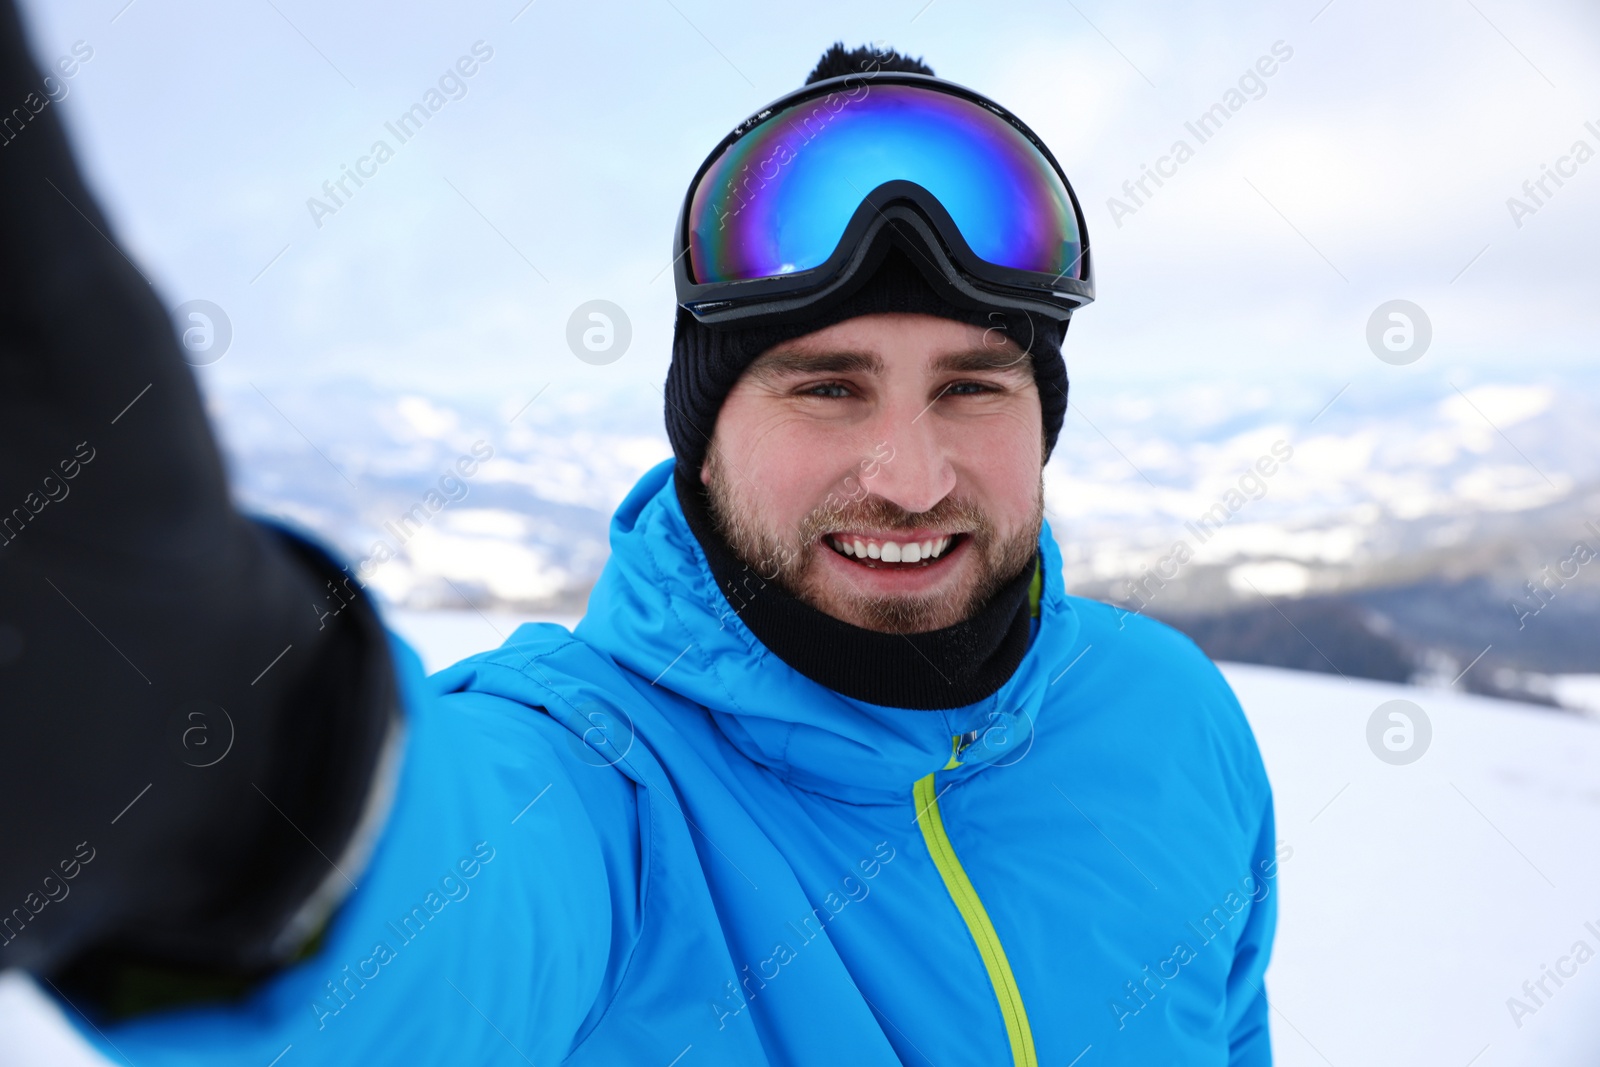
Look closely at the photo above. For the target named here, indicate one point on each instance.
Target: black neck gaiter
(949, 668)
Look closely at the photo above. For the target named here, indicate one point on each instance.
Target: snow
(1385, 473)
(1418, 897)
(1421, 897)
(444, 637)
(33, 1031)
(1578, 691)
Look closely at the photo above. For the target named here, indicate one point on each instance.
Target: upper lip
(900, 536)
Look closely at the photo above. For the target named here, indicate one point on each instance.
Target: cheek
(1001, 464)
(783, 463)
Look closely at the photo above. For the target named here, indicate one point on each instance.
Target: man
(832, 771)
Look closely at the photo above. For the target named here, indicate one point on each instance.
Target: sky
(1374, 163)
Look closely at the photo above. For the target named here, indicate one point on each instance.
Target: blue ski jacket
(650, 841)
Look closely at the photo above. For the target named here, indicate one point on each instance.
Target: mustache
(952, 514)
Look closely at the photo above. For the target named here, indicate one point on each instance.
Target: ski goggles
(804, 196)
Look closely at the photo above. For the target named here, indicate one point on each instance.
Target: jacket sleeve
(495, 915)
(1249, 1035)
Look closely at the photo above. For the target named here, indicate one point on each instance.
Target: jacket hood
(658, 612)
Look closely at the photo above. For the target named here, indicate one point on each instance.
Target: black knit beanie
(708, 360)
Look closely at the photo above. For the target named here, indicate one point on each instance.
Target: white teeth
(892, 551)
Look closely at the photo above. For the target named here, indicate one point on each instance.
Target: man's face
(886, 470)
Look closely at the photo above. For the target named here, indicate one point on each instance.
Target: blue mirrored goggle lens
(779, 198)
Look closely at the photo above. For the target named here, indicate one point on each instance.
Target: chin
(910, 619)
(893, 614)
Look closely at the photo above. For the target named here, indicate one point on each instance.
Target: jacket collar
(657, 610)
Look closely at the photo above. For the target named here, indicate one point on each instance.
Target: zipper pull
(1003, 741)
(959, 744)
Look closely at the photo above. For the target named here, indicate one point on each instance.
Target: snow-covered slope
(1420, 897)
(1417, 900)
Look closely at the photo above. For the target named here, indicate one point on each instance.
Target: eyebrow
(786, 362)
(981, 359)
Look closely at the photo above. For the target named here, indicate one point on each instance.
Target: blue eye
(968, 389)
(827, 390)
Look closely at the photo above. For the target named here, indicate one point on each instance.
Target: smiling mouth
(877, 552)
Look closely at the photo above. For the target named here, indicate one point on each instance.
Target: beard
(787, 556)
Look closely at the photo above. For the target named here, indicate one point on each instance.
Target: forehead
(896, 342)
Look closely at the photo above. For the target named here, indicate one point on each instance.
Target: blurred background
(1335, 412)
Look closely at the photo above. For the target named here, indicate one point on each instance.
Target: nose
(912, 467)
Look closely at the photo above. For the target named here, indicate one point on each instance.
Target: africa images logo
(1203, 128)
(452, 85)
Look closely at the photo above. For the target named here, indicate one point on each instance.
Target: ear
(705, 464)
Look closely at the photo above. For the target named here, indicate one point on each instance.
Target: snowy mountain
(1431, 525)
(438, 504)
(1427, 529)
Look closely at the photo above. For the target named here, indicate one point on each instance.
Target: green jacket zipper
(959, 886)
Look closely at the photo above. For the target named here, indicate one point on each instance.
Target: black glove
(186, 741)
